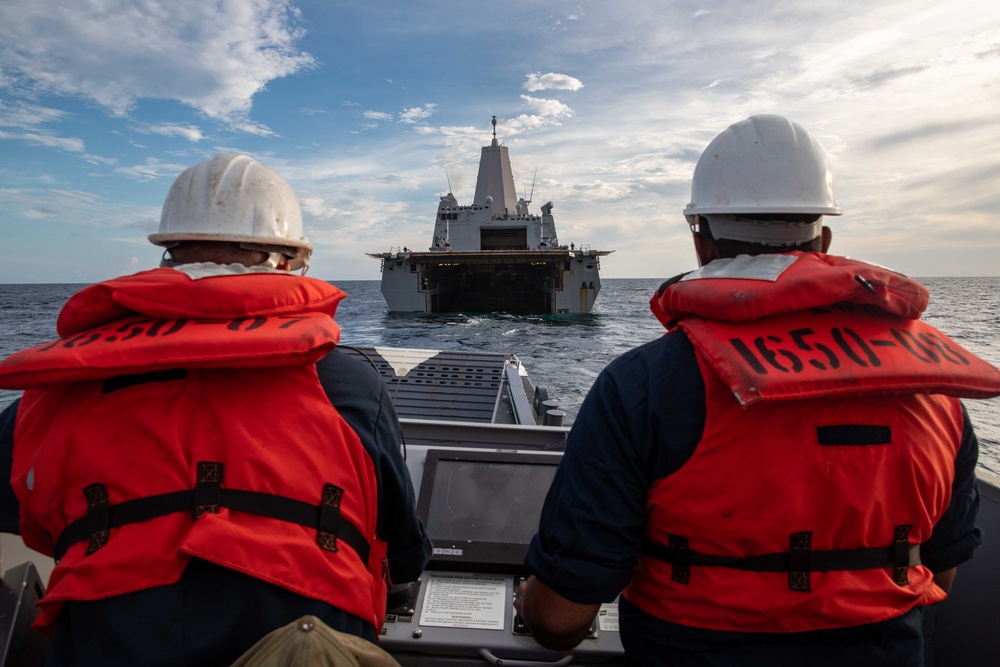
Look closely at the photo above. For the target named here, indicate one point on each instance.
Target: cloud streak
(151, 169)
(70, 144)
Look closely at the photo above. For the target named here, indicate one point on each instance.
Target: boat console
(480, 498)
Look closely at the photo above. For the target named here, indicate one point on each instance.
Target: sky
(372, 110)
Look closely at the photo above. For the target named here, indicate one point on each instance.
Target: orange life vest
(827, 455)
(180, 418)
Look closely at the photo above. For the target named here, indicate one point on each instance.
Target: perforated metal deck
(445, 385)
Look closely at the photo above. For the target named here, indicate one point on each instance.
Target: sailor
(202, 461)
(787, 477)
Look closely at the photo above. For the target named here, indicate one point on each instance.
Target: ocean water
(565, 352)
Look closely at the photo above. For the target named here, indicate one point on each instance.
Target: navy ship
(492, 255)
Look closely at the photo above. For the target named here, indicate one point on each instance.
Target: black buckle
(98, 517)
(329, 517)
(680, 559)
(800, 546)
(208, 488)
(901, 555)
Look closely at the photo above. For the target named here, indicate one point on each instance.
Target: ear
(827, 237)
(705, 248)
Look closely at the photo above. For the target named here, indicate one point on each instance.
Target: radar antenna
(494, 127)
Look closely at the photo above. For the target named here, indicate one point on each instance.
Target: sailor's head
(761, 186)
(231, 209)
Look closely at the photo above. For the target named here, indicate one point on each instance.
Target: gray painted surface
(966, 626)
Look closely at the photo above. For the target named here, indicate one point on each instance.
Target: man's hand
(555, 622)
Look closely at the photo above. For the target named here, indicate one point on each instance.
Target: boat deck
(446, 385)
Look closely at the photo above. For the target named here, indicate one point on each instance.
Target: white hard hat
(762, 165)
(232, 197)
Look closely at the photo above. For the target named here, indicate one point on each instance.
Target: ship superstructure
(492, 256)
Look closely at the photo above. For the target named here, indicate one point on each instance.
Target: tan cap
(308, 642)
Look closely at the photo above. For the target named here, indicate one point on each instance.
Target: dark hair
(731, 248)
(220, 252)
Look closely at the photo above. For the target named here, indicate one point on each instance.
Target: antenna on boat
(494, 128)
(532, 192)
(448, 176)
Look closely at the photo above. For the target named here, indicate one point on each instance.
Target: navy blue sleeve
(358, 393)
(956, 537)
(10, 509)
(640, 421)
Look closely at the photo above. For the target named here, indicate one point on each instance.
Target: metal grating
(450, 385)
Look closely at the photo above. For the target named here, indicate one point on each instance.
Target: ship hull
(530, 282)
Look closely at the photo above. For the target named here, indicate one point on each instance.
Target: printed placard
(607, 617)
(465, 601)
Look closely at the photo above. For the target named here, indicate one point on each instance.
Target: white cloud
(28, 119)
(26, 116)
(377, 115)
(547, 108)
(417, 114)
(71, 144)
(239, 123)
(189, 132)
(717, 82)
(61, 204)
(212, 56)
(99, 159)
(151, 169)
(318, 207)
(551, 81)
(78, 197)
(427, 130)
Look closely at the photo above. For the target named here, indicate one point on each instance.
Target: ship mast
(495, 178)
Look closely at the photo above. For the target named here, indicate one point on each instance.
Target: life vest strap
(208, 497)
(799, 561)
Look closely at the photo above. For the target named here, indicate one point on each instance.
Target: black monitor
(481, 509)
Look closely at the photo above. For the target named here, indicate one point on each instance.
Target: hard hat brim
(751, 210)
(169, 238)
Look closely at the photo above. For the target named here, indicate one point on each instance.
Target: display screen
(481, 509)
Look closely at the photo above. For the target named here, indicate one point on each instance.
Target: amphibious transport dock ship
(492, 256)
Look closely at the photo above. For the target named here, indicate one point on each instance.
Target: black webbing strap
(798, 561)
(208, 496)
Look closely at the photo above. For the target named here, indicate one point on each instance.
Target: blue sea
(565, 352)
